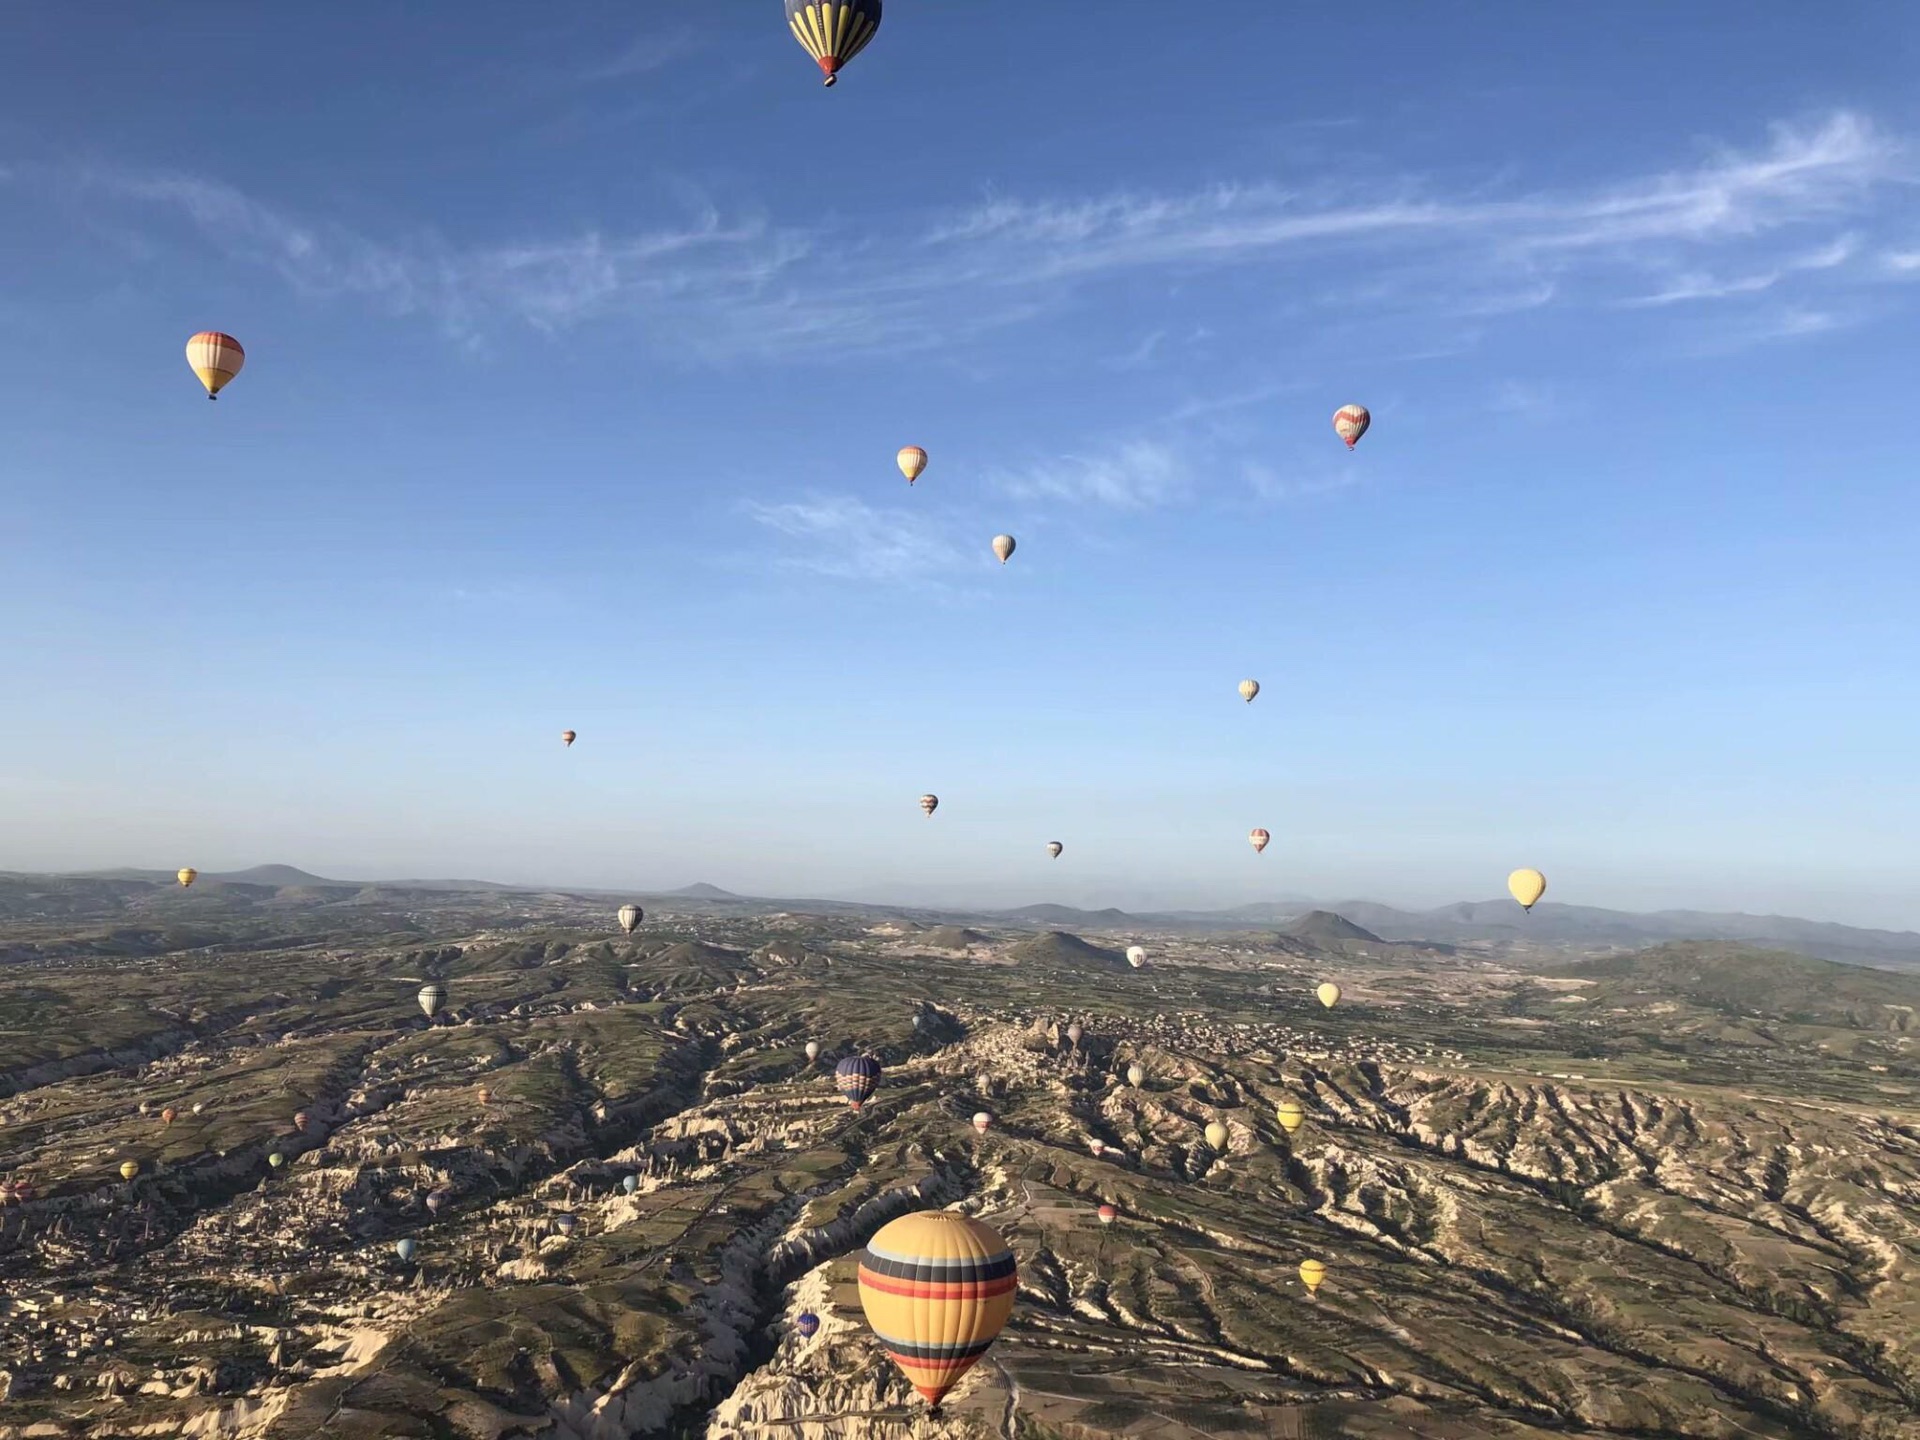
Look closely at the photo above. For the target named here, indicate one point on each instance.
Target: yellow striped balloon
(186, 875)
(216, 359)
(937, 1288)
(912, 461)
(1312, 1272)
(833, 31)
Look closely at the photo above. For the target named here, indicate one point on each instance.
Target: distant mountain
(1323, 927)
(275, 875)
(1067, 915)
(704, 891)
(1060, 947)
(951, 937)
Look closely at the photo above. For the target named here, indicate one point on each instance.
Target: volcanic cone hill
(1323, 927)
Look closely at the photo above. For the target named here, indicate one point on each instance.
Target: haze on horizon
(574, 385)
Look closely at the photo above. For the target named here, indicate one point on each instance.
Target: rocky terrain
(1674, 1193)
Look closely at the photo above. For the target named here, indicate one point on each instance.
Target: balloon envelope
(912, 460)
(564, 1223)
(405, 1248)
(186, 876)
(1527, 886)
(630, 917)
(1258, 839)
(431, 997)
(1292, 1117)
(1312, 1272)
(568, 737)
(982, 1121)
(1329, 993)
(1003, 546)
(301, 1120)
(1217, 1135)
(1249, 689)
(1350, 422)
(129, 1169)
(1074, 1032)
(813, 1050)
(1136, 956)
(937, 1289)
(833, 31)
(929, 803)
(1108, 1214)
(1054, 847)
(807, 1324)
(856, 1076)
(1136, 1076)
(630, 1184)
(216, 358)
(276, 1159)
(168, 1115)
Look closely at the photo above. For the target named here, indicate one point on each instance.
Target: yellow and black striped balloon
(937, 1288)
(833, 31)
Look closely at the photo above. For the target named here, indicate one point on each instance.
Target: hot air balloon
(1217, 1136)
(1527, 886)
(129, 1169)
(808, 1324)
(198, 1106)
(833, 31)
(1136, 1076)
(856, 1076)
(1109, 1214)
(1258, 839)
(912, 461)
(630, 917)
(1249, 689)
(1096, 1146)
(435, 1199)
(216, 359)
(405, 1249)
(1054, 847)
(982, 1121)
(1136, 956)
(145, 1107)
(431, 997)
(1350, 423)
(483, 1095)
(1003, 546)
(567, 737)
(1074, 1032)
(813, 1051)
(937, 1288)
(1292, 1117)
(929, 803)
(1312, 1272)
(276, 1159)
(169, 1115)
(564, 1223)
(301, 1120)
(187, 876)
(1329, 993)
(630, 1183)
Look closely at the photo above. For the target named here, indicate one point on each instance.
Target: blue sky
(580, 345)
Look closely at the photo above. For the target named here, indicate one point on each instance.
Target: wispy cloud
(1272, 484)
(721, 285)
(846, 538)
(1133, 476)
(649, 52)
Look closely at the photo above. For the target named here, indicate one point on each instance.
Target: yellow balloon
(129, 1169)
(1329, 994)
(1527, 886)
(1292, 1117)
(912, 460)
(1312, 1272)
(937, 1288)
(187, 876)
(1217, 1136)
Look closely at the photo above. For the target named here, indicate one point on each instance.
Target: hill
(700, 890)
(1323, 927)
(1067, 915)
(952, 937)
(1774, 984)
(1059, 947)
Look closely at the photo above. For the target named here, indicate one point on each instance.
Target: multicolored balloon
(833, 31)
(929, 803)
(1350, 422)
(937, 1289)
(856, 1076)
(1258, 839)
(808, 1324)
(567, 738)
(564, 1223)
(982, 1121)
(216, 358)
(1109, 1214)
(912, 460)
